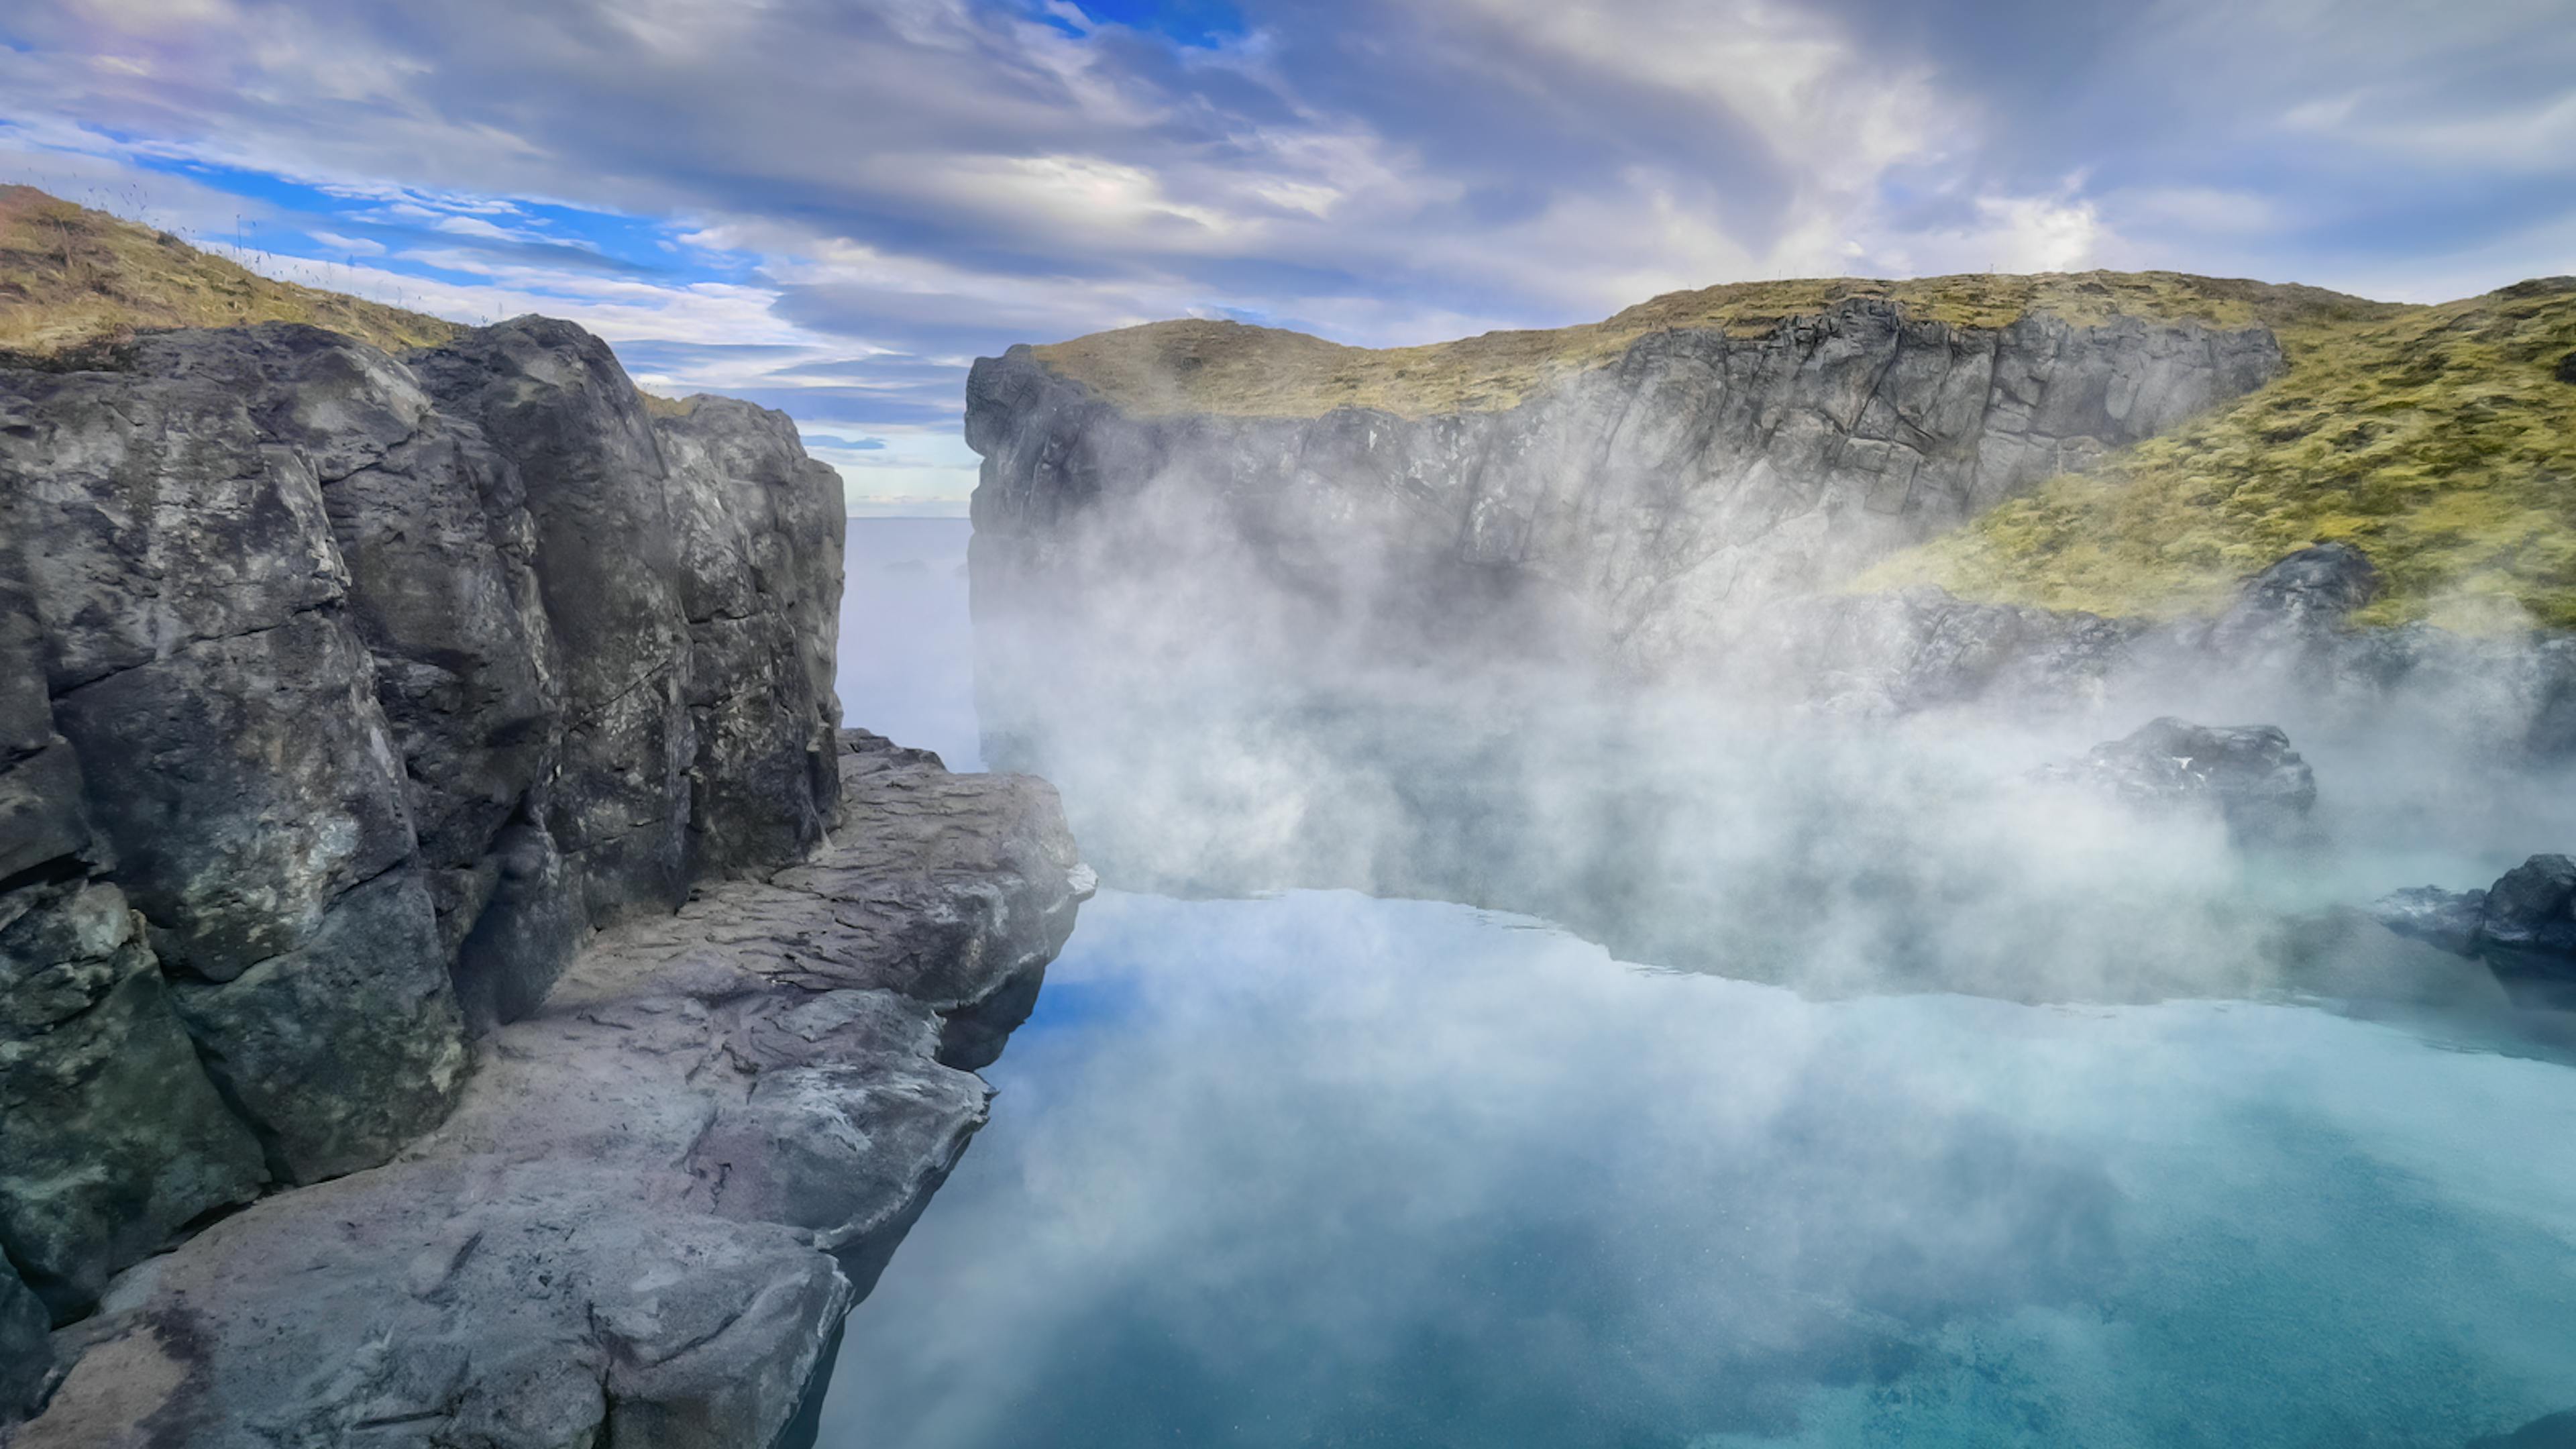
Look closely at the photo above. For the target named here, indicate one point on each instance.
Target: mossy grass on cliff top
(1196, 365)
(2439, 440)
(71, 277)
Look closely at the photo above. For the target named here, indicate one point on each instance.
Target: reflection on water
(1326, 1170)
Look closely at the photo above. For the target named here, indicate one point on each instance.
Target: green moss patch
(2440, 440)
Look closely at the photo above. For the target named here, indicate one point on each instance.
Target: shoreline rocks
(341, 696)
(2523, 926)
(659, 1192)
(457, 983)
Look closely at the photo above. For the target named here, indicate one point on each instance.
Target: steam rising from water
(1327, 1170)
(1321, 1169)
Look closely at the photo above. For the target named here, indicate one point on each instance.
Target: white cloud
(349, 245)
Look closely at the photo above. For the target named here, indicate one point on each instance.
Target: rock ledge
(658, 1194)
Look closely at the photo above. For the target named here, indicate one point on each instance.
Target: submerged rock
(2523, 926)
(2436, 917)
(2551, 1431)
(2247, 773)
(661, 1191)
(2530, 917)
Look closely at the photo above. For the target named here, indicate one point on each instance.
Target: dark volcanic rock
(553, 400)
(2300, 600)
(758, 532)
(661, 1191)
(111, 1135)
(2530, 917)
(2523, 926)
(363, 682)
(2247, 773)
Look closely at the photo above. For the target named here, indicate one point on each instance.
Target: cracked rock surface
(341, 696)
(658, 1194)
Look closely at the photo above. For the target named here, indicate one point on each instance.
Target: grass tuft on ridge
(71, 278)
(2439, 440)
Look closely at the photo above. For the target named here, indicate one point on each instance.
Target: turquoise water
(1319, 1169)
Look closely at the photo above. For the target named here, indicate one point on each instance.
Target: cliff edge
(425, 829)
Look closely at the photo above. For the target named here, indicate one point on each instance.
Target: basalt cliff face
(344, 698)
(1630, 510)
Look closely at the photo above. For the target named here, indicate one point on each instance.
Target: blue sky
(833, 206)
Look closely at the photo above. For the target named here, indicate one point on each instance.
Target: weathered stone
(112, 1136)
(757, 528)
(366, 680)
(553, 400)
(2246, 773)
(344, 1048)
(661, 1191)
(247, 783)
(2530, 917)
(525, 935)
(2295, 603)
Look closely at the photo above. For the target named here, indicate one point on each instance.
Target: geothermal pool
(1321, 1169)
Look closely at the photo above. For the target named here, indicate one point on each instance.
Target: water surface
(1319, 1169)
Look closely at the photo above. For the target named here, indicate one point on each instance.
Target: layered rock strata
(341, 697)
(658, 1194)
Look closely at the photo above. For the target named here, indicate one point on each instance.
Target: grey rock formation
(26, 1358)
(112, 1134)
(2529, 921)
(2248, 774)
(661, 1191)
(2523, 927)
(1635, 510)
(341, 696)
(2297, 603)
(2445, 919)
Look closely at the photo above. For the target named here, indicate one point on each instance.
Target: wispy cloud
(895, 188)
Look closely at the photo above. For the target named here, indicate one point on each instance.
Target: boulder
(553, 399)
(2523, 926)
(2530, 918)
(2299, 600)
(2248, 774)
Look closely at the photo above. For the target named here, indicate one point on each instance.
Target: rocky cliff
(1763, 488)
(343, 696)
(1628, 506)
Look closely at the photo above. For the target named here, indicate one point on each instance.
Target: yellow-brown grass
(1194, 365)
(71, 276)
(2440, 440)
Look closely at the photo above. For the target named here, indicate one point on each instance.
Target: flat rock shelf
(659, 1194)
